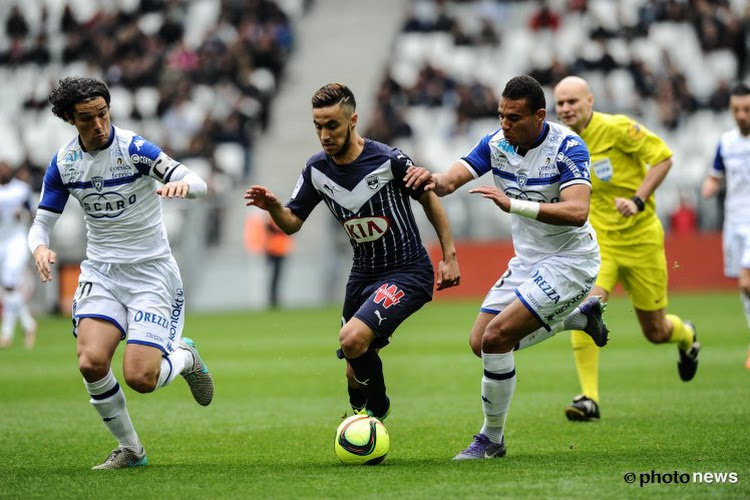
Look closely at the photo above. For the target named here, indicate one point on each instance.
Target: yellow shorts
(639, 264)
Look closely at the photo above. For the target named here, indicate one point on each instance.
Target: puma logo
(380, 318)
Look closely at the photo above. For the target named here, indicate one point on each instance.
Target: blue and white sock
(498, 384)
(109, 400)
(174, 365)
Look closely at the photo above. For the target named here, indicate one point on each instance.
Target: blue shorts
(384, 303)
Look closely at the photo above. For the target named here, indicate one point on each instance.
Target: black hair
(740, 89)
(73, 90)
(526, 87)
(332, 94)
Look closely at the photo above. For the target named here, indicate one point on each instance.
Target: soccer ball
(361, 440)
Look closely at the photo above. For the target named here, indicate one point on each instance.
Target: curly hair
(73, 90)
(332, 94)
(526, 87)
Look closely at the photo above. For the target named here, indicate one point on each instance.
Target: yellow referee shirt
(621, 152)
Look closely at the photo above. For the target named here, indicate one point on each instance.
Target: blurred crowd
(196, 78)
(718, 25)
(202, 74)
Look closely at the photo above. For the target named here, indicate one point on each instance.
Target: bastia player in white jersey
(15, 213)
(732, 166)
(542, 179)
(129, 286)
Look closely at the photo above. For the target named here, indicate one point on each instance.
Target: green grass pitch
(280, 394)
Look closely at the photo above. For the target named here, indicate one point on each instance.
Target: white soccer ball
(361, 440)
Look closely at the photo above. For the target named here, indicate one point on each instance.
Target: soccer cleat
(747, 361)
(582, 409)
(688, 362)
(121, 458)
(593, 308)
(198, 379)
(387, 411)
(481, 448)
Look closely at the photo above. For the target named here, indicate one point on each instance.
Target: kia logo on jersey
(365, 229)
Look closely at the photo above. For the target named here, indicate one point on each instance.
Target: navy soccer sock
(368, 370)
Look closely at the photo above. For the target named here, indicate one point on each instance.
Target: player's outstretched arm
(442, 184)
(184, 184)
(448, 274)
(263, 198)
(571, 210)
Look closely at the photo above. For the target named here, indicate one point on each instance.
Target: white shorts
(14, 254)
(549, 289)
(145, 301)
(736, 243)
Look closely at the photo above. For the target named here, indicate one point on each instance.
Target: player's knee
(352, 342)
(656, 334)
(496, 338)
(92, 368)
(476, 345)
(141, 381)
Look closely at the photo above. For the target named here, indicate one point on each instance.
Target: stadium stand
(666, 62)
(222, 85)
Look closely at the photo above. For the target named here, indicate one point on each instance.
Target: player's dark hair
(332, 94)
(526, 87)
(740, 89)
(73, 90)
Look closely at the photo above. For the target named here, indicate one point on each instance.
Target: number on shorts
(502, 279)
(84, 289)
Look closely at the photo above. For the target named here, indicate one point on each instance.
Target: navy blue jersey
(370, 201)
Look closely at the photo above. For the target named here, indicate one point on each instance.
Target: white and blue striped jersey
(15, 198)
(116, 188)
(370, 201)
(732, 163)
(558, 159)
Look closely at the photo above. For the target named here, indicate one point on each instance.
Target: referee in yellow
(628, 162)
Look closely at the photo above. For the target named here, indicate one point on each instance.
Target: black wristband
(638, 202)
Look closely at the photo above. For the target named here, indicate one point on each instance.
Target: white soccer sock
(575, 320)
(12, 302)
(498, 384)
(109, 400)
(535, 337)
(746, 306)
(174, 365)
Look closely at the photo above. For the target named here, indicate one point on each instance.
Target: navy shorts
(383, 304)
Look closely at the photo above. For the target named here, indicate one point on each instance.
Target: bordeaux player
(130, 285)
(361, 182)
(732, 166)
(541, 176)
(15, 210)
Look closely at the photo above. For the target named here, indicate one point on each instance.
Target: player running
(129, 286)
(361, 182)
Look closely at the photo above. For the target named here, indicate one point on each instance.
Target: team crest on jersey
(98, 183)
(388, 295)
(373, 182)
(366, 229)
(521, 179)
